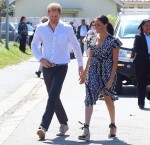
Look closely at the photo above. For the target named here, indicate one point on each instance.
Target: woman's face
(146, 28)
(24, 20)
(99, 26)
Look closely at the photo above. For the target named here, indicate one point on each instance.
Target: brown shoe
(41, 133)
(63, 129)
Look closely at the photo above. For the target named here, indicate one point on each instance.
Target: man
(81, 33)
(55, 36)
(74, 28)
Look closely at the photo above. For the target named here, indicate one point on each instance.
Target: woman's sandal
(113, 130)
(86, 133)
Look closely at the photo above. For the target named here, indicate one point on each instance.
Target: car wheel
(118, 87)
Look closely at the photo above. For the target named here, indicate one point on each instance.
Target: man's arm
(77, 50)
(36, 44)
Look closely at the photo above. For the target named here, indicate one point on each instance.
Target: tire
(118, 88)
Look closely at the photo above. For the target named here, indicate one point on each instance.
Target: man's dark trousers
(54, 78)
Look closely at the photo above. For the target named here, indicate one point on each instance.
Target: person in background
(23, 33)
(55, 36)
(141, 48)
(100, 74)
(90, 33)
(74, 28)
(40, 70)
(81, 33)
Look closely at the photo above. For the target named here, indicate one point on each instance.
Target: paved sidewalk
(132, 123)
(13, 77)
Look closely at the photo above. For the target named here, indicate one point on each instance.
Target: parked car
(12, 31)
(125, 29)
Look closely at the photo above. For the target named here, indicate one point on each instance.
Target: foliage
(112, 19)
(13, 55)
(3, 9)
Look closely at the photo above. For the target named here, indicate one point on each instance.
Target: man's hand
(45, 63)
(80, 70)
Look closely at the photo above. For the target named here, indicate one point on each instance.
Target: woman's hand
(109, 84)
(82, 78)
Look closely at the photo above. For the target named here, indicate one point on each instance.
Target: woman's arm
(114, 67)
(83, 76)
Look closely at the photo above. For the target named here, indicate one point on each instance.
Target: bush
(112, 19)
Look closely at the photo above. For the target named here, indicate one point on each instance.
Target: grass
(12, 55)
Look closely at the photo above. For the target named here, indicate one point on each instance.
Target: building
(71, 8)
(136, 4)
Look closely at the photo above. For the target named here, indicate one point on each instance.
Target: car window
(129, 28)
(3, 27)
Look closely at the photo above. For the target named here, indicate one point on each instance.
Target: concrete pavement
(132, 123)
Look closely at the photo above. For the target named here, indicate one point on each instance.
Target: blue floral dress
(100, 69)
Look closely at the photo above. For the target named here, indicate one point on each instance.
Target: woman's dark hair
(105, 20)
(142, 23)
(21, 19)
(93, 21)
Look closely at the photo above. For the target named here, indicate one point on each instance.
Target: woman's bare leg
(111, 109)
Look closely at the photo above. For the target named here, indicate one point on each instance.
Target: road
(19, 126)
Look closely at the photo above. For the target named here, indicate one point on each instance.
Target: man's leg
(56, 76)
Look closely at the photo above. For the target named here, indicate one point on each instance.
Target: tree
(3, 11)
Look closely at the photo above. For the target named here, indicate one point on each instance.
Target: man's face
(54, 16)
(83, 22)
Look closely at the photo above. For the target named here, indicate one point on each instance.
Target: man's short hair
(54, 6)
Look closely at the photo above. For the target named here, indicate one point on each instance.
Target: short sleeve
(116, 43)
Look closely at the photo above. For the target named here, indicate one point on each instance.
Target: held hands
(82, 75)
(45, 63)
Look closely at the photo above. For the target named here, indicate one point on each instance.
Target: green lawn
(12, 55)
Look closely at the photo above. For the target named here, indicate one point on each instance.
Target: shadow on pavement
(62, 141)
(146, 109)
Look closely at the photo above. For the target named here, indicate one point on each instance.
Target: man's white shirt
(55, 44)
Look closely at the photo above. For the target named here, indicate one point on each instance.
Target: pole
(7, 24)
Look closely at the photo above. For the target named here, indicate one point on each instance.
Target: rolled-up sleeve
(76, 47)
(36, 44)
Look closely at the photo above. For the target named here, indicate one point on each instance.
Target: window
(129, 28)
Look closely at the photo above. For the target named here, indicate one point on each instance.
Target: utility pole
(7, 24)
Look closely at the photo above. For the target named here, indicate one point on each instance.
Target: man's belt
(53, 64)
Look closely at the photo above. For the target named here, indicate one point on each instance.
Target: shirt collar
(146, 35)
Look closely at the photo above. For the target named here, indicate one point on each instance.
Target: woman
(142, 60)
(91, 32)
(23, 33)
(100, 73)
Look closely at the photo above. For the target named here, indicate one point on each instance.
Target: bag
(148, 95)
